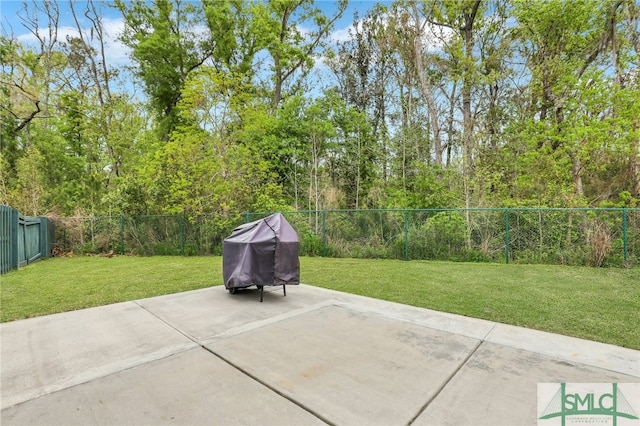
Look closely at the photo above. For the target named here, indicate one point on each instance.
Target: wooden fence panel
(8, 239)
(23, 239)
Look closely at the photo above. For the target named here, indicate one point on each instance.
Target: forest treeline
(233, 105)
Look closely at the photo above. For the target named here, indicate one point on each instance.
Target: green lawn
(593, 303)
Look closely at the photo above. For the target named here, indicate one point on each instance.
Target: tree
(236, 27)
(291, 50)
(28, 90)
(197, 173)
(418, 54)
(28, 191)
(89, 62)
(355, 152)
(565, 44)
(461, 18)
(10, 116)
(202, 168)
(319, 133)
(629, 82)
(167, 46)
(363, 66)
(411, 114)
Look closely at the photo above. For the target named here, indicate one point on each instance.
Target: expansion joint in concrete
(273, 389)
(446, 382)
(243, 371)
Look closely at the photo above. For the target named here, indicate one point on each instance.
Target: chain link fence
(596, 237)
(145, 235)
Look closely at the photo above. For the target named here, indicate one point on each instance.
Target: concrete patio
(315, 356)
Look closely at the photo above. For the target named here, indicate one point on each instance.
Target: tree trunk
(467, 83)
(425, 85)
(578, 189)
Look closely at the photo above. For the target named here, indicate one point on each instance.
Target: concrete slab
(571, 349)
(452, 323)
(205, 313)
(498, 386)
(349, 367)
(189, 388)
(46, 354)
(312, 355)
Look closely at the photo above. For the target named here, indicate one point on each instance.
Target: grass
(592, 303)
(66, 284)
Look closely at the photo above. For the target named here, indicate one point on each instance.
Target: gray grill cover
(264, 252)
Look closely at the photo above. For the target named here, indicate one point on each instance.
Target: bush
(311, 244)
(600, 241)
(442, 237)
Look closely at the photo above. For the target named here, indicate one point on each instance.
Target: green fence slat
(506, 235)
(23, 239)
(405, 216)
(625, 252)
(324, 233)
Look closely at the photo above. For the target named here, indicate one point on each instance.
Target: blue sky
(118, 55)
(10, 11)
(112, 21)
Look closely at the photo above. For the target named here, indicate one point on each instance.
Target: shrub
(599, 240)
(442, 237)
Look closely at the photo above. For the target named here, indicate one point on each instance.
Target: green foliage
(291, 51)
(237, 33)
(270, 199)
(128, 196)
(310, 244)
(200, 169)
(430, 189)
(28, 191)
(442, 236)
(167, 47)
(236, 116)
(355, 153)
(197, 173)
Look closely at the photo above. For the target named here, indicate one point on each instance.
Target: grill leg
(261, 292)
(284, 288)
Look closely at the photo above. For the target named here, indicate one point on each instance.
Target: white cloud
(341, 35)
(116, 53)
(434, 37)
